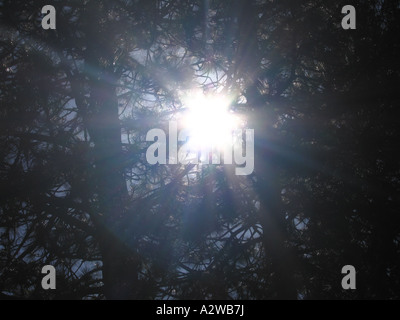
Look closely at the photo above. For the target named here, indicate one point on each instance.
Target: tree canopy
(77, 192)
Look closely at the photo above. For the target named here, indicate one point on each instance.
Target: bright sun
(209, 121)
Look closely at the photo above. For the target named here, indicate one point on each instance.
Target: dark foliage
(77, 192)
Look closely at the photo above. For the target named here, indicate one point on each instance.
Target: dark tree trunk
(120, 266)
(279, 262)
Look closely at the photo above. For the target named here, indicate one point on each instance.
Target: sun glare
(209, 121)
